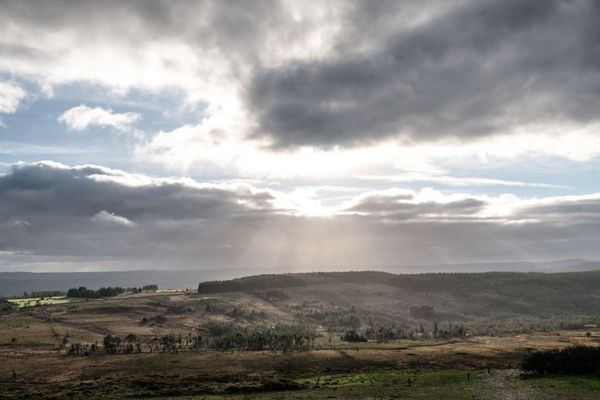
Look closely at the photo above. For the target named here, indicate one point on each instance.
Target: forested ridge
(542, 294)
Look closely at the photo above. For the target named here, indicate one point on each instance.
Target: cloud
(172, 217)
(11, 96)
(105, 217)
(46, 190)
(81, 117)
(476, 69)
(143, 221)
(455, 181)
(284, 90)
(397, 205)
(565, 210)
(327, 74)
(203, 47)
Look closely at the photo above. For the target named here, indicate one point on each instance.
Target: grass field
(436, 370)
(576, 387)
(41, 301)
(429, 384)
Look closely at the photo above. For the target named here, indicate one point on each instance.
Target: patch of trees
(240, 313)
(390, 332)
(288, 339)
(234, 312)
(353, 336)
(576, 360)
(397, 332)
(337, 318)
(215, 329)
(84, 292)
(421, 312)
(252, 283)
(453, 331)
(272, 295)
(78, 349)
(538, 294)
(5, 305)
(150, 288)
(43, 294)
(111, 344)
(277, 338)
(575, 325)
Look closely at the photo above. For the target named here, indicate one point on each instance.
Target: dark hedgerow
(576, 360)
(353, 336)
(5, 305)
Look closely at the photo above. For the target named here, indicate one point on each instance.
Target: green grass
(34, 301)
(424, 384)
(581, 386)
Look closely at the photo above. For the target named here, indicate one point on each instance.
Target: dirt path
(504, 384)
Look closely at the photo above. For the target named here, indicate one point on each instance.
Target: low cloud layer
(50, 211)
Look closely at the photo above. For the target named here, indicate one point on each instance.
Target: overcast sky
(213, 134)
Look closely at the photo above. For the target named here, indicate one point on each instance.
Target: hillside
(184, 343)
(455, 296)
(404, 306)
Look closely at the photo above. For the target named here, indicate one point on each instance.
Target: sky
(297, 134)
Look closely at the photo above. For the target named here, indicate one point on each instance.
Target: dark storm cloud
(47, 190)
(475, 69)
(420, 71)
(52, 209)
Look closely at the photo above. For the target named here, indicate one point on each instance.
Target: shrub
(576, 360)
(353, 336)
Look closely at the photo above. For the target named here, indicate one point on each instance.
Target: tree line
(575, 360)
(5, 305)
(285, 339)
(252, 283)
(397, 332)
(84, 292)
(43, 294)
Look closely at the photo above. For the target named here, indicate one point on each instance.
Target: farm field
(43, 301)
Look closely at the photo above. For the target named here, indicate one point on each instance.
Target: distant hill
(401, 304)
(15, 283)
(456, 296)
(568, 265)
